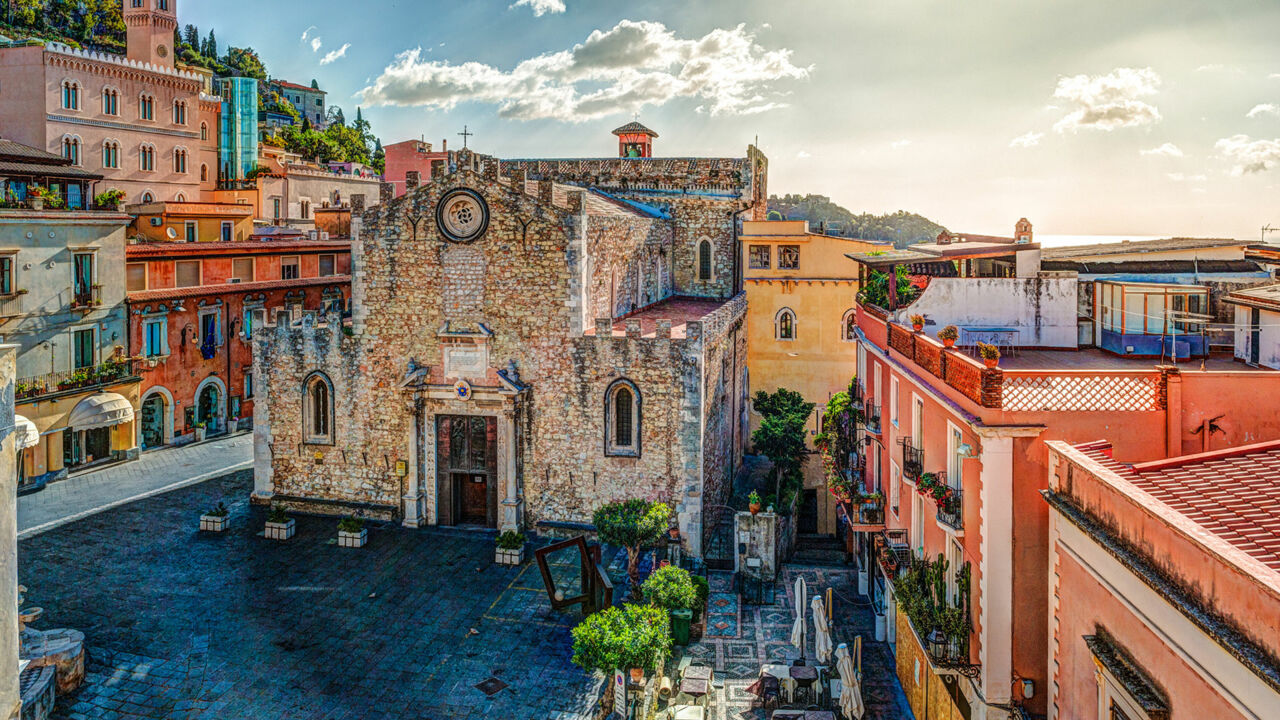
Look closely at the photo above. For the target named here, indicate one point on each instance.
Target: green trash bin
(680, 621)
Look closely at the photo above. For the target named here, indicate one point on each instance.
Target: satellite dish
(173, 234)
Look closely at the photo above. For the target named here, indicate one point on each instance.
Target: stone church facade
(530, 339)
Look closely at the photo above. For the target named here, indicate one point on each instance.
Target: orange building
(1164, 584)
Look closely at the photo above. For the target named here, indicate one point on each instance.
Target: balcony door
(82, 349)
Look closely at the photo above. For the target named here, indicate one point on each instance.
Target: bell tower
(150, 25)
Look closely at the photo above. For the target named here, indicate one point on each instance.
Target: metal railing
(107, 373)
(11, 305)
(871, 418)
(951, 509)
(87, 298)
(912, 459)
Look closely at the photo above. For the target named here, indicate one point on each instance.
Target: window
(147, 158)
(306, 209)
(148, 197)
(180, 161)
(893, 401)
(210, 332)
(248, 386)
(275, 208)
(759, 257)
(146, 107)
(82, 277)
(704, 260)
(917, 421)
(190, 231)
(204, 173)
(71, 149)
(955, 463)
(319, 103)
(254, 318)
(955, 561)
(788, 257)
(154, 335)
(187, 273)
(179, 112)
(135, 276)
(326, 265)
(180, 198)
(242, 269)
(82, 346)
(895, 490)
(6, 274)
(226, 230)
(622, 419)
(111, 154)
(917, 523)
(317, 403)
(784, 325)
(289, 268)
(110, 102)
(204, 131)
(283, 316)
(162, 4)
(849, 326)
(70, 95)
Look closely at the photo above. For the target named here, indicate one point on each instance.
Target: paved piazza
(188, 625)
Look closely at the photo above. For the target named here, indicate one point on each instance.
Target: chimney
(411, 180)
(444, 145)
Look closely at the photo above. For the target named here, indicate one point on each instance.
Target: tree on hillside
(314, 85)
(191, 36)
(335, 116)
(210, 48)
(246, 63)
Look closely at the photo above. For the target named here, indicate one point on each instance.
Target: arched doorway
(155, 423)
(209, 408)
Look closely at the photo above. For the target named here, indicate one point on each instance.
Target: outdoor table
(804, 676)
(697, 672)
(688, 712)
(819, 715)
(783, 674)
(695, 688)
(787, 715)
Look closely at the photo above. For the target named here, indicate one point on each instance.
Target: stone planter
(214, 523)
(508, 557)
(352, 539)
(37, 203)
(233, 425)
(280, 531)
(200, 434)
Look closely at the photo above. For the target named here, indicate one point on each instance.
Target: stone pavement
(747, 636)
(156, 470)
(185, 625)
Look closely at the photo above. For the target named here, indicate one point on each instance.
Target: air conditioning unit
(156, 222)
(324, 236)
(233, 281)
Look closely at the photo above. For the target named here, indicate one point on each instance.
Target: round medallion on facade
(462, 216)
(463, 389)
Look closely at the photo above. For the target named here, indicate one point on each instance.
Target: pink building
(137, 120)
(958, 451)
(1165, 584)
(413, 156)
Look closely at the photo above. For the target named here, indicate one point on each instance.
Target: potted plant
(917, 322)
(634, 638)
(948, 335)
(753, 502)
(990, 354)
(200, 432)
(36, 195)
(109, 200)
(279, 525)
(215, 520)
(509, 548)
(352, 532)
(233, 424)
(672, 589)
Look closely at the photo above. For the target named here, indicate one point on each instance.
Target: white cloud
(541, 7)
(803, 154)
(315, 44)
(1165, 150)
(618, 70)
(1274, 76)
(1180, 177)
(899, 144)
(1264, 109)
(1107, 102)
(1248, 155)
(1031, 139)
(335, 54)
(307, 32)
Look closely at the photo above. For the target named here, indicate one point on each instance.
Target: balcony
(107, 373)
(871, 419)
(11, 305)
(912, 460)
(87, 298)
(951, 509)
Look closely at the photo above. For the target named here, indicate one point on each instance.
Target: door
(153, 421)
(473, 495)
(809, 513)
(82, 347)
(209, 411)
(466, 456)
(191, 232)
(1255, 335)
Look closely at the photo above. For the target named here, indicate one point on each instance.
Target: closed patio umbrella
(850, 687)
(797, 628)
(821, 632)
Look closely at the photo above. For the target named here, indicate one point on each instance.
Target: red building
(413, 156)
(192, 309)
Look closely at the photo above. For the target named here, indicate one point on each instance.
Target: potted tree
(671, 588)
(351, 532)
(215, 520)
(753, 502)
(279, 525)
(200, 431)
(990, 354)
(634, 524)
(948, 335)
(509, 548)
(917, 322)
(109, 200)
(633, 638)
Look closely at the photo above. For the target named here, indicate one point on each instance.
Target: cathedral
(529, 340)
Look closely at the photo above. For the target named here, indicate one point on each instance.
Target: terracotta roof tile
(200, 290)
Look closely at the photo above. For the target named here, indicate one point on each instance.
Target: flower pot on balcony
(948, 342)
(991, 362)
(917, 328)
(37, 203)
(754, 508)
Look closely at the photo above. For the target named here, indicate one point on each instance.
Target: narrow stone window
(784, 325)
(622, 419)
(704, 260)
(317, 403)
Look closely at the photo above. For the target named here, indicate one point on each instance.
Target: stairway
(816, 549)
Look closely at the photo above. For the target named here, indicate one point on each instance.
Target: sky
(1140, 117)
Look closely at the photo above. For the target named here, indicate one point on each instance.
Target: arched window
(204, 131)
(317, 410)
(180, 198)
(148, 197)
(622, 419)
(849, 326)
(179, 112)
(110, 154)
(204, 173)
(147, 158)
(146, 107)
(71, 149)
(704, 260)
(70, 95)
(180, 160)
(784, 325)
(110, 102)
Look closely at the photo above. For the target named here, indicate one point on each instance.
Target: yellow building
(800, 290)
(192, 221)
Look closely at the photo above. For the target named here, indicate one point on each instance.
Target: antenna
(1268, 229)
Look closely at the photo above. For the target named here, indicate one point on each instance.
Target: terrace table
(1005, 338)
(696, 682)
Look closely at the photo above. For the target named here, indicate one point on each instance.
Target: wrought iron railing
(871, 418)
(912, 459)
(108, 373)
(871, 511)
(11, 305)
(86, 298)
(951, 509)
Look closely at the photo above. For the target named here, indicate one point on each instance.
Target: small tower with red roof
(635, 140)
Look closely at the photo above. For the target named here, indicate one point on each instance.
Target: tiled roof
(296, 86)
(155, 250)
(188, 292)
(1139, 246)
(634, 127)
(57, 171)
(11, 149)
(1232, 494)
(1267, 296)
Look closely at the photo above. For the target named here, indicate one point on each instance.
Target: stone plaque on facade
(465, 361)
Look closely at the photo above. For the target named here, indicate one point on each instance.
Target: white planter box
(214, 523)
(353, 540)
(508, 557)
(199, 434)
(232, 426)
(279, 531)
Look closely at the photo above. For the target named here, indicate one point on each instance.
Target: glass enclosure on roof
(238, 128)
(1151, 318)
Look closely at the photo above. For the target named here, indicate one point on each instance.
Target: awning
(25, 433)
(100, 410)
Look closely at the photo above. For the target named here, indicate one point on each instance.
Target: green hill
(901, 228)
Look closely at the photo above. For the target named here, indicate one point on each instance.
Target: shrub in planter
(509, 548)
(948, 335)
(701, 591)
(670, 587)
(352, 532)
(753, 502)
(990, 354)
(622, 638)
(109, 200)
(279, 525)
(200, 431)
(216, 519)
(917, 322)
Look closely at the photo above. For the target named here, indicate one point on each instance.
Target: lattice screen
(1081, 393)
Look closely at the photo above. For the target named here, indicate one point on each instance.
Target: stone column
(263, 479)
(10, 700)
(413, 492)
(511, 500)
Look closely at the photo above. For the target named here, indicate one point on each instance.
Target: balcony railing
(871, 510)
(11, 305)
(912, 460)
(871, 418)
(951, 509)
(108, 373)
(87, 298)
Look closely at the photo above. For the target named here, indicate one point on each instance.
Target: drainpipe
(227, 331)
